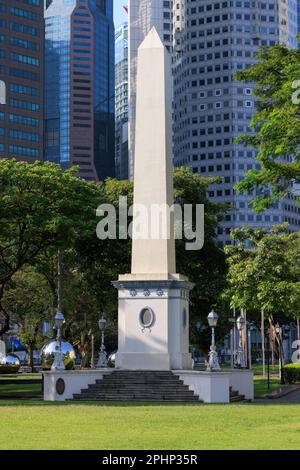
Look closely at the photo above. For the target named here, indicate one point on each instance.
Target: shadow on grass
(133, 404)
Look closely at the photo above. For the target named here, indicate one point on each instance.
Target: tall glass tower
(121, 98)
(79, 86)
(21, 80)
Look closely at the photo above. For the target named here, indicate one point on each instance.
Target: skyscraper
(121, 100)
(21, 79)
(213, 40)
(79, 86)
(143, 15)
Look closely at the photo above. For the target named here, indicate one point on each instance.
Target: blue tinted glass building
(121, 100)
(79, 85)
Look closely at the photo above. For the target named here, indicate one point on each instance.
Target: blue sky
(119, 12)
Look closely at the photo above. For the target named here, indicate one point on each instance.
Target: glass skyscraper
(21, 79)
(121, 98)
(79, 85)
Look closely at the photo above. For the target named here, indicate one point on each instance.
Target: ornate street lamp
(213, 362)
(102, 359)
(240, 358)
(58, 364)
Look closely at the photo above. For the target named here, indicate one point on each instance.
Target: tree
(31, 237)
(264, 274)
(276, 125)
(29, 301)
(264, 270)
(41, 207)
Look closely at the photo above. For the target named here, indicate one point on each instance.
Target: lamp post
(102, 359)
(58, 364)
(278, 330)
(240, 359)
(213, 362)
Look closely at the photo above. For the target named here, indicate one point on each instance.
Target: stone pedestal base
(60, 385)
(153, 323)
(214, 387)
(211, 387)
(242, 380)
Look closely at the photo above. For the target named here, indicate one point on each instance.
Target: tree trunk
(30, 357)
(263, 341)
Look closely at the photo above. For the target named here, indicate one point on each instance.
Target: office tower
(143, 15)
(213, 40)
(79, 86)
(21, 75)
(121, 100)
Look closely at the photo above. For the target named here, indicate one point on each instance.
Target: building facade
(21, 79)
(143, 15)
(79, 86)
(121, 101)
(213, 39)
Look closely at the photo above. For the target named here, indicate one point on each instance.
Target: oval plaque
(60, 386)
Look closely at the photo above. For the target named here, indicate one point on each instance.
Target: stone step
(135, 385)
(132, 396)
(138, 385)
(143, 382)
(235, 396)
(137, 391)
(118, 399)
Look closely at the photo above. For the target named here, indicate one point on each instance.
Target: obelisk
(153, 313)
(153, 170)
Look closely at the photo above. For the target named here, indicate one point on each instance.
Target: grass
(20, 390)
(261, 385)
(42, 425)
(24, 376)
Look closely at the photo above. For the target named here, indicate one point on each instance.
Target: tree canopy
(276, 125)
(41, 207)
(44, 209)
(264, 271)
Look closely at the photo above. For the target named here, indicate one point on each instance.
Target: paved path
(293, 397)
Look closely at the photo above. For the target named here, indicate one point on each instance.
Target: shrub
(292, 373)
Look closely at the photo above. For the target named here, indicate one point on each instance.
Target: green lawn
(15, 390)
(37, 425)
(24, 376)
(261, 385)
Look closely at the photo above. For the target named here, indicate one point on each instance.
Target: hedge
(292, 373)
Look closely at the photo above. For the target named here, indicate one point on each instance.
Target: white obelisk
(153, 300)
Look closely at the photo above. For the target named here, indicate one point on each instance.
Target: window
(24, 90)
(26, 151)
(25, 14)
(25, 59)
(20, 135)
(24, 44)
(30, 2)
(25, 105)
(26, 74)
(22, 28)
(27, 121)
